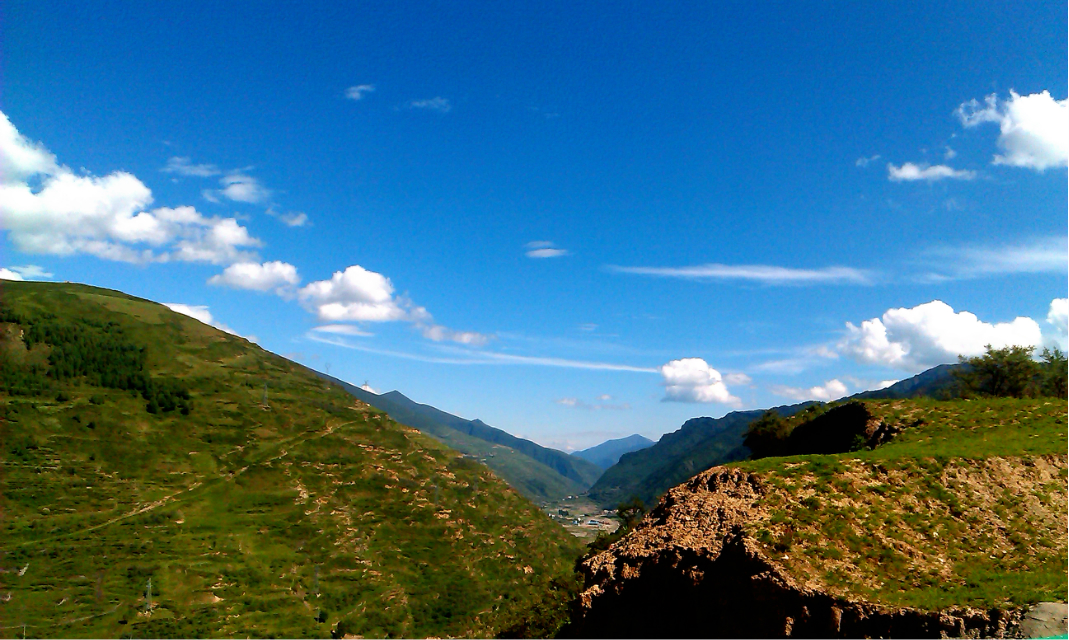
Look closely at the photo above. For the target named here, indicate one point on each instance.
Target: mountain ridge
(541, 474)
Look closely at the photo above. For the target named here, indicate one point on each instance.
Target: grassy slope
(247, 521)
(522, 463)
(968, 508)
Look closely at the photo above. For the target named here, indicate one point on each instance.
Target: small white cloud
(8, 274)
(291, 218)
(1033, 129)
(864, 162)
(278, 276)
(949, 154)
(601, 405)
(241, 187)
(764, 274)
(359, 91)
(737, 379)
(360, 295)
(201, 313)
(910, 172)
(343, 329)
(544, 249)
(439, 104)
(369, 388)
(438, 333)
(883, 384)
(830, 390)
(929, 334)
(183, 166)
(546, 253)
(32, 272)
(693, 380)
(355, 295)
(589, 326)
(1058, 319)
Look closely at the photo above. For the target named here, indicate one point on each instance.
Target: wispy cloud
(438, 103)
(358, 92)
(601, 405)
(544, 249)
(183, 166)
(830, 390)
(864, 162)
(468, 357)
(764, 274)
(910, 172)
(1040, 255)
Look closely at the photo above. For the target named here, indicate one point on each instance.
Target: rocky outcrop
(691, 570)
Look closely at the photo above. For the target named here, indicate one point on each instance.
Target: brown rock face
(691, 570)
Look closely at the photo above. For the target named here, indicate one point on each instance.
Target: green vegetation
(966, 506)
(310, 514)
(1013, 372)
(699, 444)
(540, 473)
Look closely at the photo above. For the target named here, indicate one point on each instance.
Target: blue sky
(575, 223)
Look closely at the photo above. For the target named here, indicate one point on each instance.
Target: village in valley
(581, 516)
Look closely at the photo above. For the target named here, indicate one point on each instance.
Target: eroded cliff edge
(808, 553)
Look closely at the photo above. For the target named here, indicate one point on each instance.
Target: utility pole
(263, 402)
(148, 596)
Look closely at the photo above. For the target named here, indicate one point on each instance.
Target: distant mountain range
(702, 443)
(538, 472)
(608, 453)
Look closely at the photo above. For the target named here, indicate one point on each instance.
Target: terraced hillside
(161, 478)
(951, 527)
(538, 472)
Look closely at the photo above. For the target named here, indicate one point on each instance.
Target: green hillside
(163, 478)
(966, 506)
(538, 472)
(702, 443)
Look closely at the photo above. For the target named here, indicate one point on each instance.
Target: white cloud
(910, 172)
(765, 274)
(292, 218)
(1042, 255)
(544, 249)
(883, 384)
(438, 333)
(8, 274)
(278, 276)
(1033, 129)
(30, 272)
(693, 380)
(1058, 319)
(183, 166)
(200, 312)
(359, 295)
(439, 104)
(949, 154)
(864, 162)
(241, 187)
(355, 295)
(343, 329)
(737, 379)
(48, 209)
(930, 334)
(602, 405)
(20, 158)
(359, 91)
(830, 390)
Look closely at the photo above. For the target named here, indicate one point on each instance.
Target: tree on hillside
(1055, 374)
(1013, 372)
(766, 435)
